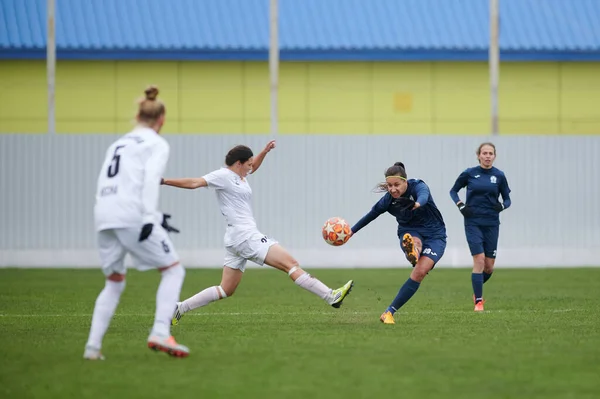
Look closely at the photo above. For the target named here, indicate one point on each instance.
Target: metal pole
(494, 61)
(51, 67)
(274, 66)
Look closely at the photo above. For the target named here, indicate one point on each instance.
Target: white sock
(202, 298)
(166, 299)
(105, 307)
(313, 285)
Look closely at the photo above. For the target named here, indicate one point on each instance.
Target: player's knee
(176, 272)
(479, 259)
(175, 268)
(419, 272)
(116, 287)
(488, 265)
(424, 265)
(116, 277)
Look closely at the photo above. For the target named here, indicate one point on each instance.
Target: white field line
(221, 314)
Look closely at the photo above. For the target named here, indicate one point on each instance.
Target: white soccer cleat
(168, 345)
(177, 314)
(92, 354)
(338, 296)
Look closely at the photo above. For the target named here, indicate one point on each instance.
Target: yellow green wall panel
(23, 97)
(314, 97)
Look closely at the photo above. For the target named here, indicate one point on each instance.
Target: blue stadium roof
(309, 29)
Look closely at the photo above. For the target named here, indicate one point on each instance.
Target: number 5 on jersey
(113, 168)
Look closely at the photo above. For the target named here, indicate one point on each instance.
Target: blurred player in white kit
(127, 221)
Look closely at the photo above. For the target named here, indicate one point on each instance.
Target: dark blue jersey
(426, 220)
(483, 188)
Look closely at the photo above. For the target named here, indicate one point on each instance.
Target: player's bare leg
(279, 258)
(488, 268)
(230, 280)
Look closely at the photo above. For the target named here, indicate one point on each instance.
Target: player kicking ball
(421, 229)
(243, 241)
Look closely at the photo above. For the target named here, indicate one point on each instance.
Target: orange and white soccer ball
(336, 231)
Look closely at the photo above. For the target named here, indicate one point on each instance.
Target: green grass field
(538, 338)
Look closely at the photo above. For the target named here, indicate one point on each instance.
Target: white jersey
(235, 200)
(129, 181)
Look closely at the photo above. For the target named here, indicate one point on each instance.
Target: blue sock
(486, 276)
(407, 290)
(477, 280)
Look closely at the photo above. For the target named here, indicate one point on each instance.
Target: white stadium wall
(47, 189)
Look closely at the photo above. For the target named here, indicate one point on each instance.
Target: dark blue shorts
(482, 239)
(433, 248)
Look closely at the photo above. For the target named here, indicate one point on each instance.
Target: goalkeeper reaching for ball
(421, 229)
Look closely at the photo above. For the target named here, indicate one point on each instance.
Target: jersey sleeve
(216, 179)
(380, 207)
(423, 193)
(153, 171)
(505, 192)
(460, 182)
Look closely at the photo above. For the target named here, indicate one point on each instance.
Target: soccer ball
(336, 231)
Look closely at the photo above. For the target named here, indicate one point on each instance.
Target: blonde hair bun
(151, 93)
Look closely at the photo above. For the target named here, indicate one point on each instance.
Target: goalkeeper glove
(146, 231)
(166, 226)
(464, 209)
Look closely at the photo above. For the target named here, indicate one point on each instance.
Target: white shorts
(255, 248)
(154, 252)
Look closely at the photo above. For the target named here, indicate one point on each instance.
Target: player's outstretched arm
(153, 169)
(261, 156)
(189, 183)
